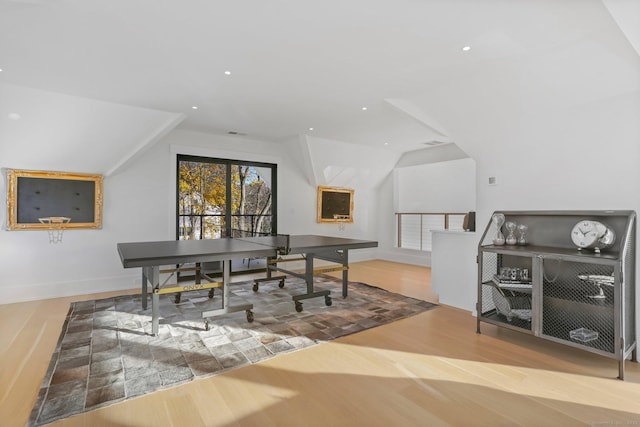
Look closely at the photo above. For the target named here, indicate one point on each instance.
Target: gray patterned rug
(106, 354)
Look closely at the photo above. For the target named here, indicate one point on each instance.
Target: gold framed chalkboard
(335, 204)
(32, 195)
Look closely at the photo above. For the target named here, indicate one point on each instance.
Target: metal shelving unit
(551, 289)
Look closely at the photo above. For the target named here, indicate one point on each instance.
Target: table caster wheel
(210, 293)
(206, 325)
(327, 300)
(298, 306)
(176, 299)
(255, 288)
(281, 284)
(249, 316)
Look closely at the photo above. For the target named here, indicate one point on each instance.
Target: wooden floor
(428, 370)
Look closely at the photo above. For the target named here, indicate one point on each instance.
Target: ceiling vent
(433, 143)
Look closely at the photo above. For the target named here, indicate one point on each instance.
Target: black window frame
(228, 164)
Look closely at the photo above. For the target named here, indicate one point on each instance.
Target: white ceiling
(297, 64)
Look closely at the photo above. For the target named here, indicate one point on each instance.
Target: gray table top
(142, 254)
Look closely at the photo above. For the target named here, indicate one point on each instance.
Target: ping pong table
(150, 256)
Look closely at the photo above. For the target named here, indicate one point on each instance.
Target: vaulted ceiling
(373, 72)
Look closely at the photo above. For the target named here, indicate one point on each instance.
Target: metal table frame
(152, 255)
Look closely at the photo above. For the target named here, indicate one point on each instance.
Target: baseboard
(362, 255)
(23, 293)
(420, 258)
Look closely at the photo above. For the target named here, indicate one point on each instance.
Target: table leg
(345, 273)
(155, 313)
(308, 273)
(153, 277)
(226, 294)
(269, 266)
(144, 289)
(226, 281)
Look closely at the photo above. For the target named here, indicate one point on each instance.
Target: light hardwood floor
(429, 370)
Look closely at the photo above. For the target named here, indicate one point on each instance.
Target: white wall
(433, 154)
(436, 187)
(299, 161)
(557, 129)
(86, 261)
(448, 186)
(59, 132)
(139, 205)
(340, 164)
(579, 152)
(387, 235)
(70, 133)
(584, 157)
(553, 141)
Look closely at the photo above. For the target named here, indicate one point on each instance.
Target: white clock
(588, 234)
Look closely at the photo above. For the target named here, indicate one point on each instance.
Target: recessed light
(364, 108)
(227, 73)
(386, 143)
(195, 107)
(310, 128)
(466, 48)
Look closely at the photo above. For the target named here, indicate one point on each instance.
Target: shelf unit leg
(621, 369)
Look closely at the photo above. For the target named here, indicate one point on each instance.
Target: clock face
(585, 234)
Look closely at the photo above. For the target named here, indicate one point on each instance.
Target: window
(224, 198)
(414, 229)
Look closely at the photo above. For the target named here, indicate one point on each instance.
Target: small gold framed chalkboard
(32, 195)
(335, 204)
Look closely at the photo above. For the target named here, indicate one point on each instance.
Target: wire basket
(510, 306)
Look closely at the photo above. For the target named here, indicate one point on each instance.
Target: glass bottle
(498, 222)
(511, 233)
(522, 230)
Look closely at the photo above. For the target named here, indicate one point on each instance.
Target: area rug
(106, 353)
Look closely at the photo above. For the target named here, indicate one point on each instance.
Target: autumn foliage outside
(211, 206)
